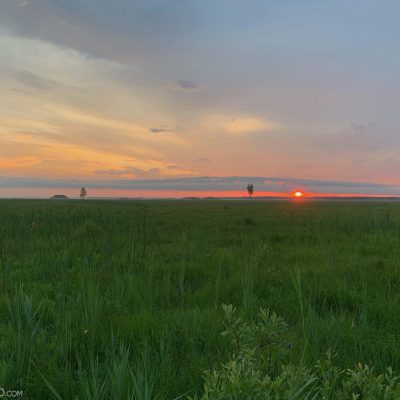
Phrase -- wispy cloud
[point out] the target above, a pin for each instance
(31, 80)
(202, 160)
(23, 3)
(131, 172)
(237, 125)
(159, 130)
(184, 86)
(248, 125)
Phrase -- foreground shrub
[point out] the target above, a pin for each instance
(258, 369)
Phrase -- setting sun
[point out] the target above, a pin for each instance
(298, 194)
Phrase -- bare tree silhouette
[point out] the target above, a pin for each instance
(83, 193)
(250, 189)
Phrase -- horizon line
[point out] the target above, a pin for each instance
(305, 197)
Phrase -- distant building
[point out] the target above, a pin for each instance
(59, 197)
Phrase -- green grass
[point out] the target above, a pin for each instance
(106, 299)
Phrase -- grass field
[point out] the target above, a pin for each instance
(94, 293)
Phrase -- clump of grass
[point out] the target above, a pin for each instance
(248, 221)
(26, 320)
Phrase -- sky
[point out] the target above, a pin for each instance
(170, 98)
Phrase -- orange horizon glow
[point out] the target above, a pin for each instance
(20, 192)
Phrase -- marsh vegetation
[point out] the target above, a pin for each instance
(102, 300)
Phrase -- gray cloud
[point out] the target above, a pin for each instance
(133, 172)
(173, 166)
(159, 130)
(32, 80)
(21, 91)
(202, 160)
(185, 86)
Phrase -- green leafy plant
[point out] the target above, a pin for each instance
(258, 369)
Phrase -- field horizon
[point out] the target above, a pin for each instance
(305, 197)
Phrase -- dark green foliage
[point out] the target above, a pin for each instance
(105, 299)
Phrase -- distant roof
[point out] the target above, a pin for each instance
(59, 196)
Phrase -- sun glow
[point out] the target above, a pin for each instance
(298, 194)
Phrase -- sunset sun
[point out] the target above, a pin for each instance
(298, 194)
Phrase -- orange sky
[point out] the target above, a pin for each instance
(106, 94)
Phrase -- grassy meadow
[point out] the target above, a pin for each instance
(102, 299)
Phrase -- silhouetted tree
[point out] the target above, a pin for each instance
(250, 189)
(83, 193)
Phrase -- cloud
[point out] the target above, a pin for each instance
(357, 138)
(236, 125)
(247, 125)
(23, 3)
(316, 185)
(131, 172)
(56, 107)
(159, 130)
(167, 171)
(20, 162)
(202, 160)
(32, 80)
(184, 86)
